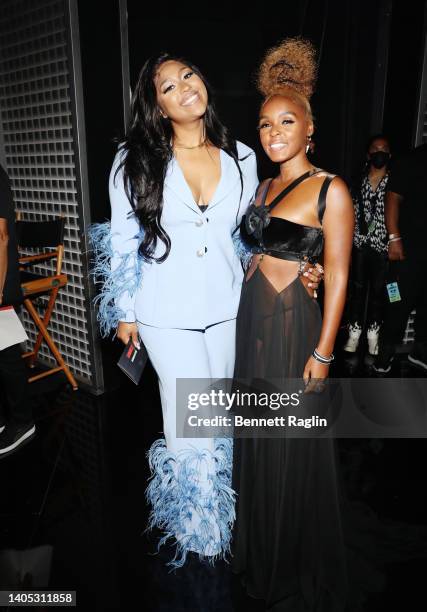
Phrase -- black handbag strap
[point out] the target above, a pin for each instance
(363, 226)
(287, 189)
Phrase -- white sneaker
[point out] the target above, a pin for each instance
(373, 334)
(354, 332)
(15, 435)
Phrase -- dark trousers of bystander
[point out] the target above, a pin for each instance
(15, 407)
(367, 282)
(413, 292)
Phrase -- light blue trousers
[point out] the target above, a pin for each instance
(190, 489)
(183, 353)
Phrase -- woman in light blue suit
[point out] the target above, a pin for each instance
(178, 189)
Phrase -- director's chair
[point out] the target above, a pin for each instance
(42, 235)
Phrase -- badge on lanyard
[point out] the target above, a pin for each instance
(393, 292)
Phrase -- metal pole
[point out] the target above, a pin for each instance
(421, 126)
(124, 44)
(380, 75)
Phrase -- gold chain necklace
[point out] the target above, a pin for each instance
(189, 148)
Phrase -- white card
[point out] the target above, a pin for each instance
(11, 329)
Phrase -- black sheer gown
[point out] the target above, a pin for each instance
(294, 545)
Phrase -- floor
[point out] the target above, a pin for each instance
(73, 514)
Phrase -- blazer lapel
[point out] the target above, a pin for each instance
(229, 178)
(175, 181)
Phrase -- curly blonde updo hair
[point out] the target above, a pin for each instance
(289, 69)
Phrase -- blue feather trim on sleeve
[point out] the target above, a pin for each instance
(242, 250)
(113, 284)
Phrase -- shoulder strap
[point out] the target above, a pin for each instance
(321, 203)
(289, 188)
(264, 195)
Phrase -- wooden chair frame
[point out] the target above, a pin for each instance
(48, 285)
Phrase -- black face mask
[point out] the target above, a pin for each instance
(379, 159)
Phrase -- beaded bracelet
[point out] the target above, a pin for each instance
(325, 360)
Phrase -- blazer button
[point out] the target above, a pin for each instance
(199, 223)
(200, 252)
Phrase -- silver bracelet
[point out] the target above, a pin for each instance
(325, 360)
(395, 239)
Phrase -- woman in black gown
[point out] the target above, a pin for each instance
(288, 538)
(298, 544)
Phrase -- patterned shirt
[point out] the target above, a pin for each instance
(372, 230)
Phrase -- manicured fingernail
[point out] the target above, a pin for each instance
(309, 285)
(305, 273)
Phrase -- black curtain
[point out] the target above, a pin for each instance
(229, 46)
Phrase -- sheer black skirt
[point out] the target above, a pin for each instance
(296, 542)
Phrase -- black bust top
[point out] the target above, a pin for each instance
(282, 238)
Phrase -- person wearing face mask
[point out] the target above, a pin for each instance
(369, 258)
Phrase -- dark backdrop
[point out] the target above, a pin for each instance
(228, 46)
(404, 74)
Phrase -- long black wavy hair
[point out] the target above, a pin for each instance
(147, 150)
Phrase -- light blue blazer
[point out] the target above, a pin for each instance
(200, 281)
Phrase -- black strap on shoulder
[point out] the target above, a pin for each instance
(264, 195)
(321, 203)
(256, 191)
(289, 188)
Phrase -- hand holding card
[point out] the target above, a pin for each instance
(133, 361)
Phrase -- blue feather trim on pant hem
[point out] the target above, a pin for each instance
(177, 498)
